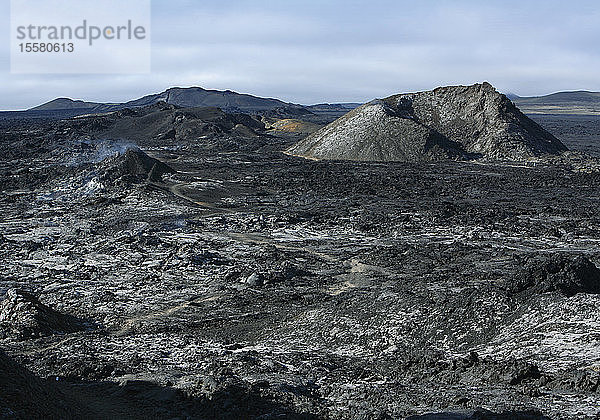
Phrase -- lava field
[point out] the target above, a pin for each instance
(217, 277)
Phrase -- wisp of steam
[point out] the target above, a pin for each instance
(94, 151)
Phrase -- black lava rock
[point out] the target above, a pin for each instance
(23, 316)
(566, 275)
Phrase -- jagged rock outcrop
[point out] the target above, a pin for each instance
(134, 166)
(566, 275)
(162, 121)
(448, 122)
(23, 316)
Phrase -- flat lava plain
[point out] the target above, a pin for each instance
(246, 283)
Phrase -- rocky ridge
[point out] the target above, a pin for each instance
(23, 316)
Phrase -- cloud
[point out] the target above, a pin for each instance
(316, 51)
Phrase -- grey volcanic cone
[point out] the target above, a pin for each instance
(448, 122)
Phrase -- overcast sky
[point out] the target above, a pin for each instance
(313, 51)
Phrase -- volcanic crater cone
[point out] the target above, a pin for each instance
(455, 122)
(135, 165)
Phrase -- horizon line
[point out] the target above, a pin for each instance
(507, 93)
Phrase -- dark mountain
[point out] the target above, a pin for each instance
(69, 104)
(198, 97)
(193, 97)
(577, 102)
(581, 96)
(448, 122)
(345, 107)
(329, 112)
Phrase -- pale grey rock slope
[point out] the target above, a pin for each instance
(448, 122)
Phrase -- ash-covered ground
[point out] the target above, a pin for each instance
(217, 277)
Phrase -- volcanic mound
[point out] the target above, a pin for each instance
(135, 166)
(449, 122)
(23, 316)
(163, 122)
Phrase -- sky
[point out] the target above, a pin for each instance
(314, 51)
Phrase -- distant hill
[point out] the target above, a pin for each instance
(68, 104)
(197, 97)
(192, 97)
(576, 103)
(334, 107)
